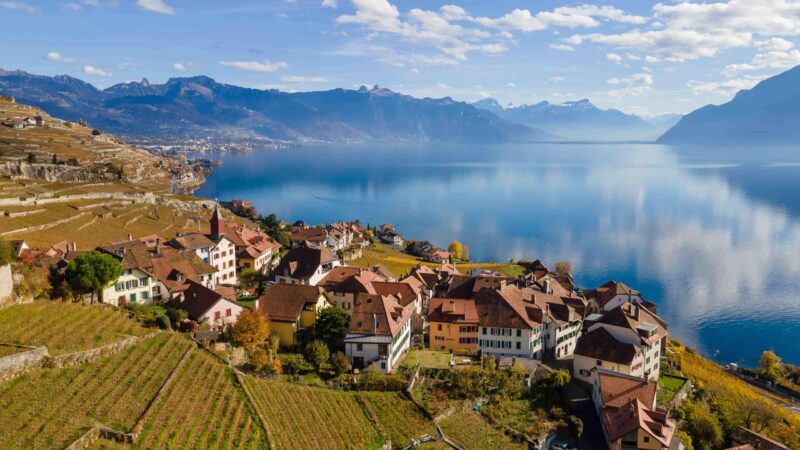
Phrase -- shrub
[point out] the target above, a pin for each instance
(176, 316)
(317, 354)
(340, 363)
(251, 329)
(295, 363)
(163, 322)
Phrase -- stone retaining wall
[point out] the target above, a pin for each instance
(28, 359)
(73, 359)
(6, 284)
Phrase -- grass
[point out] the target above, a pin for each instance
(6, 350)
(470, 430)
(49, 408)
(301, 417)
(401, 418)
(668, 386)
(203, 408)
(429, 359)
(65, 327)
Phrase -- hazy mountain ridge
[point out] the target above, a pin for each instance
(579, 120)
(767, 113)
(196, 105)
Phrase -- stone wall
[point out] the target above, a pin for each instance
(73, 359)
(29, 358)
(6, 284)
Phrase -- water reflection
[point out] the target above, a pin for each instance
(714, 240)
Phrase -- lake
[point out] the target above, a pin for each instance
(710, 235)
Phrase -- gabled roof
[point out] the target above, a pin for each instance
(507, 309)
(618, 422)
(638, 319)
(340, 274)
(611, 289)
(192, 241)
(284, 302)
(132, 254)
(452, 310)
(616, 389)
(198, 300)
(381, 270)
(175, 269)
(403, 291)
(600, 344)
(302, 262)
(377, 315)
(309, 234)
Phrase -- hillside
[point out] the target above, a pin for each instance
(191, 107)
(63, 181)
(766, 114)
(578, 120)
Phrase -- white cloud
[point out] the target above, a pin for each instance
(94, 71)
(632, 57)
(725, 88)
(635, 85)
(442, 86)
(256, 66)
(179, 66)
(54, 56)
(330, 4)
(511, 85)
(775, 53)
(613, 57)
(557, 79)
(570, 17)
(156, 6)
(304, 79)
(484, 94)
(20, 6)
(562, 47)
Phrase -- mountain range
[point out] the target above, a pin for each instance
(197, 106)
(769, 113)
(581, 120)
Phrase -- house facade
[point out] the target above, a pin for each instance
(133, 286)
(453, 325)
(379, 333)
(292, 311)
(305, 265)
(206, 306)
(598, 349)
(510, 324)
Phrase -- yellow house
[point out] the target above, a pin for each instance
(453, 324)
(292, 310)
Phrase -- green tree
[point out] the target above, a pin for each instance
(92, 271)
(6, 253)
(317, 354)
(563, 267)
(251, 329)
(572, 428)
(31, 158)
(251, 278)
(456, 249)
(331, 327)
(770, 365)
(272, 226)
(702, 426)
(340, 363)
(295, 363)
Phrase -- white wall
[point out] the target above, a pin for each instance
(228, 313)
(504, 342)
(223, 258)
(132, 282)
(6, 284)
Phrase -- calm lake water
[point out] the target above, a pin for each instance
(711, 235)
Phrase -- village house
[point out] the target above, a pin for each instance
(134, 285)
(379, 333)
(628, 414)
(213, 248)
(255, 249)
(437, 255)
(509, 325)
(388, 235)
(292, 311)
(206, 306)
(340, 235)
(384, 272)
(19, 247)
(305, 265)
(343, 292)
(453, 324)
(309, 237)
(599, 349)
(174, 270)
(634, 324)
(614, 294)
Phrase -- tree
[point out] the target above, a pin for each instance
(770, 366)
(571, 428)
(295, 363)
(6, 253)
(251, 329)
(55, 159)
(317, 354)
(92, 271)
(331, 327)
(31, 158)
(456, 249)
(702, 426)
(563, 267)
(259, 358)
(272, 226)
(251, 278)
(340, 363)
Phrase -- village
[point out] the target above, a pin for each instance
(608, 342)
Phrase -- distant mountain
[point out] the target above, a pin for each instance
(769, 113)
(577, 120)
(198, 106)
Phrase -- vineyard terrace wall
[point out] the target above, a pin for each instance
(29, 358)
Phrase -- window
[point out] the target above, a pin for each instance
(519, 333)
(119, 287)
(143, 281)
(228, 312)
(484, 330)
(439, 327)
(133, 297)
(217, 315)
(585, 372)
(439, 338)
(359, 347)
(518, 346)
(145, 295)
(646, 439)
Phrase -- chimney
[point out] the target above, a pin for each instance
(130, 237)
(158, 247)
(374, 323)
(74, 246)
(636, 312)
(547, 289)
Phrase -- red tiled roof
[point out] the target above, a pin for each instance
(507, 309)
(600, 344)
(284, 302)
(378, 314)
(616, 390)
(452, 310)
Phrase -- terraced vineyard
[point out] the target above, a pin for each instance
(65, 327)
(473, 433)
(203, 408)
(398, 416)
(50, 408)
(302, 417)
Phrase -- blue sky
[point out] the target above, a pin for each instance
(638, 56)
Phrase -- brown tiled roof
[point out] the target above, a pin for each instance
(616, 390)
(192, 241)
(342, 273)
(378, 314)
(284, 302)
(452, 310)
(381, 270)
(611, 289)
(461, 286)
(309, 234)
(403, 291)
(743, 435)
(600, 344)
(634, 415)
(174, 269)
(132, 254)
(354, 285)
(302, 262)
(198, 299)
(632, 316)
(507, 309)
